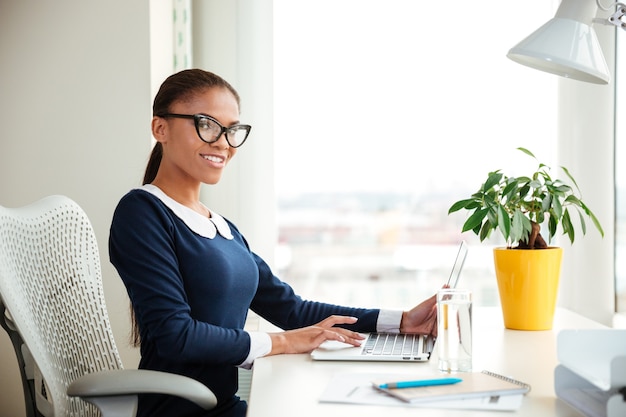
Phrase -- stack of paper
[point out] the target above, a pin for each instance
(591, 375)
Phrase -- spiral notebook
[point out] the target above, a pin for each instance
(357, 388)
(473, 384)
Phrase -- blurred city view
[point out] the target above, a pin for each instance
(401, 246)
(390, 249)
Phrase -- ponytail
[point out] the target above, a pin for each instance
(153, 163)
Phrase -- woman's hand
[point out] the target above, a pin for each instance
(421, 319)
(306, 339)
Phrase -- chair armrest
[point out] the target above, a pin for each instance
(124, 382)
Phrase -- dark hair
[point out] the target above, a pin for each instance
(180, 87)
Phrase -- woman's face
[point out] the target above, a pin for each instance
(186, 158)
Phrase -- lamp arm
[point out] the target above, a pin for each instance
(616, 18)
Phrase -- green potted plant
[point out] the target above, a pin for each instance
(527, 269)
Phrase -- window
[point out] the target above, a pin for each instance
(386, 112)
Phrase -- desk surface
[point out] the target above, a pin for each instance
(287, 384)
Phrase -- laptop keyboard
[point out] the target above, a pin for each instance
(405, 345)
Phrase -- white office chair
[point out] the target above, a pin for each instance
(52, 305)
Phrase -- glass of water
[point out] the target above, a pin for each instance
(454, 329)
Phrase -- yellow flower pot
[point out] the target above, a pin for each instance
(528, 283)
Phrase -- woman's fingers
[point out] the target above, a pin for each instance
(338, 333)
(308, 338)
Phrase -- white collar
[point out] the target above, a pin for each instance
(202, 225)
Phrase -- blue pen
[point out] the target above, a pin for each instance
(420, 383)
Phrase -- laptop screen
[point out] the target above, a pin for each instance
(458, 265)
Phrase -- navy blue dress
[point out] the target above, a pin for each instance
(191, 296)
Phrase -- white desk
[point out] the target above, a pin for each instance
(287, 385)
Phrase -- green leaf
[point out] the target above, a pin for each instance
(596, 223)
(568, 228)
(517, 226)
(552, 225)
(527, 227)
(558, 209)
(473, 205)
(570, 177)
(510, 189)
(493, 179)
(475, 219)
(460, 205)
(572, 199)
(546, 203)
(527, 152)
(540, 217)
(594, 219)
(485, 231)
(523, 191)
(489, 198)
(504, 223)
(563, 189)
(492, 215)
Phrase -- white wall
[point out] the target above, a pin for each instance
(76, 87)
(586, 147)
(75, 116)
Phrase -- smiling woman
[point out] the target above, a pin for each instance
(168, 108)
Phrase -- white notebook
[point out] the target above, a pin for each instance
(356, 388)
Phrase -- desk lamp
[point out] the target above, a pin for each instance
(567, 45)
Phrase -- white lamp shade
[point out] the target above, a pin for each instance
(566, 47)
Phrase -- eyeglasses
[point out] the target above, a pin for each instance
(210, 130)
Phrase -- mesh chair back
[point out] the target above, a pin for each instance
(51, 284)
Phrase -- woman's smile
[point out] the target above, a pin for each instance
(217, 161)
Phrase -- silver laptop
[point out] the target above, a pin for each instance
(390, 346)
